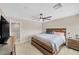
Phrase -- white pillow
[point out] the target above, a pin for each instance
(59, 33)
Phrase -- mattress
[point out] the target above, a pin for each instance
(51, 40)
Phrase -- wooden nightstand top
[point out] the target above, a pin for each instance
(73, 39)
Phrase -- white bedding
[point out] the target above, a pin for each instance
(52, 40)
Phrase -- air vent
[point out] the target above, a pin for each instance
(57, 6)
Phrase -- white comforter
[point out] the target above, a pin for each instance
(55, 40)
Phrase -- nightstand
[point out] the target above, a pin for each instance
(73, 43)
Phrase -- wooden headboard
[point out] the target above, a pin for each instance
(56, 30)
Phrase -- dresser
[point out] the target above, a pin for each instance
(73, 43)
(9, 48)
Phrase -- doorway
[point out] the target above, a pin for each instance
(15, 31)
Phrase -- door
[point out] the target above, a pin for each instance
(15, 30)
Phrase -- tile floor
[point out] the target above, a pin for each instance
(28, 49)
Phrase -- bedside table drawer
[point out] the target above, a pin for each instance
(73, 44)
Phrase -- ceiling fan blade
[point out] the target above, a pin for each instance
(46, 17)
(35, 17)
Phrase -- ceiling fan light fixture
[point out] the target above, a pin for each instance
(41, 19)
(41, 15)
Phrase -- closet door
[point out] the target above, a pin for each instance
(15, 30)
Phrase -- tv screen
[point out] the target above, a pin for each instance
(4, 30)
(0, 29)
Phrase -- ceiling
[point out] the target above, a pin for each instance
(31, 10)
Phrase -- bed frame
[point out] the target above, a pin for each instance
(45, 49)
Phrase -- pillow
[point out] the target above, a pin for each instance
(48, 32)
(59, 33)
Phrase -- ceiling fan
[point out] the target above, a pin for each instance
(42, 18)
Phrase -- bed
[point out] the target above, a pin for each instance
(48, 44)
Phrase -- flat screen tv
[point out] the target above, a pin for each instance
(4, 30)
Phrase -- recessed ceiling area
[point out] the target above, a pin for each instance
(31, 10)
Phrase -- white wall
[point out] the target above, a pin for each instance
(28, 27)
(2, 13)
(70, 23)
